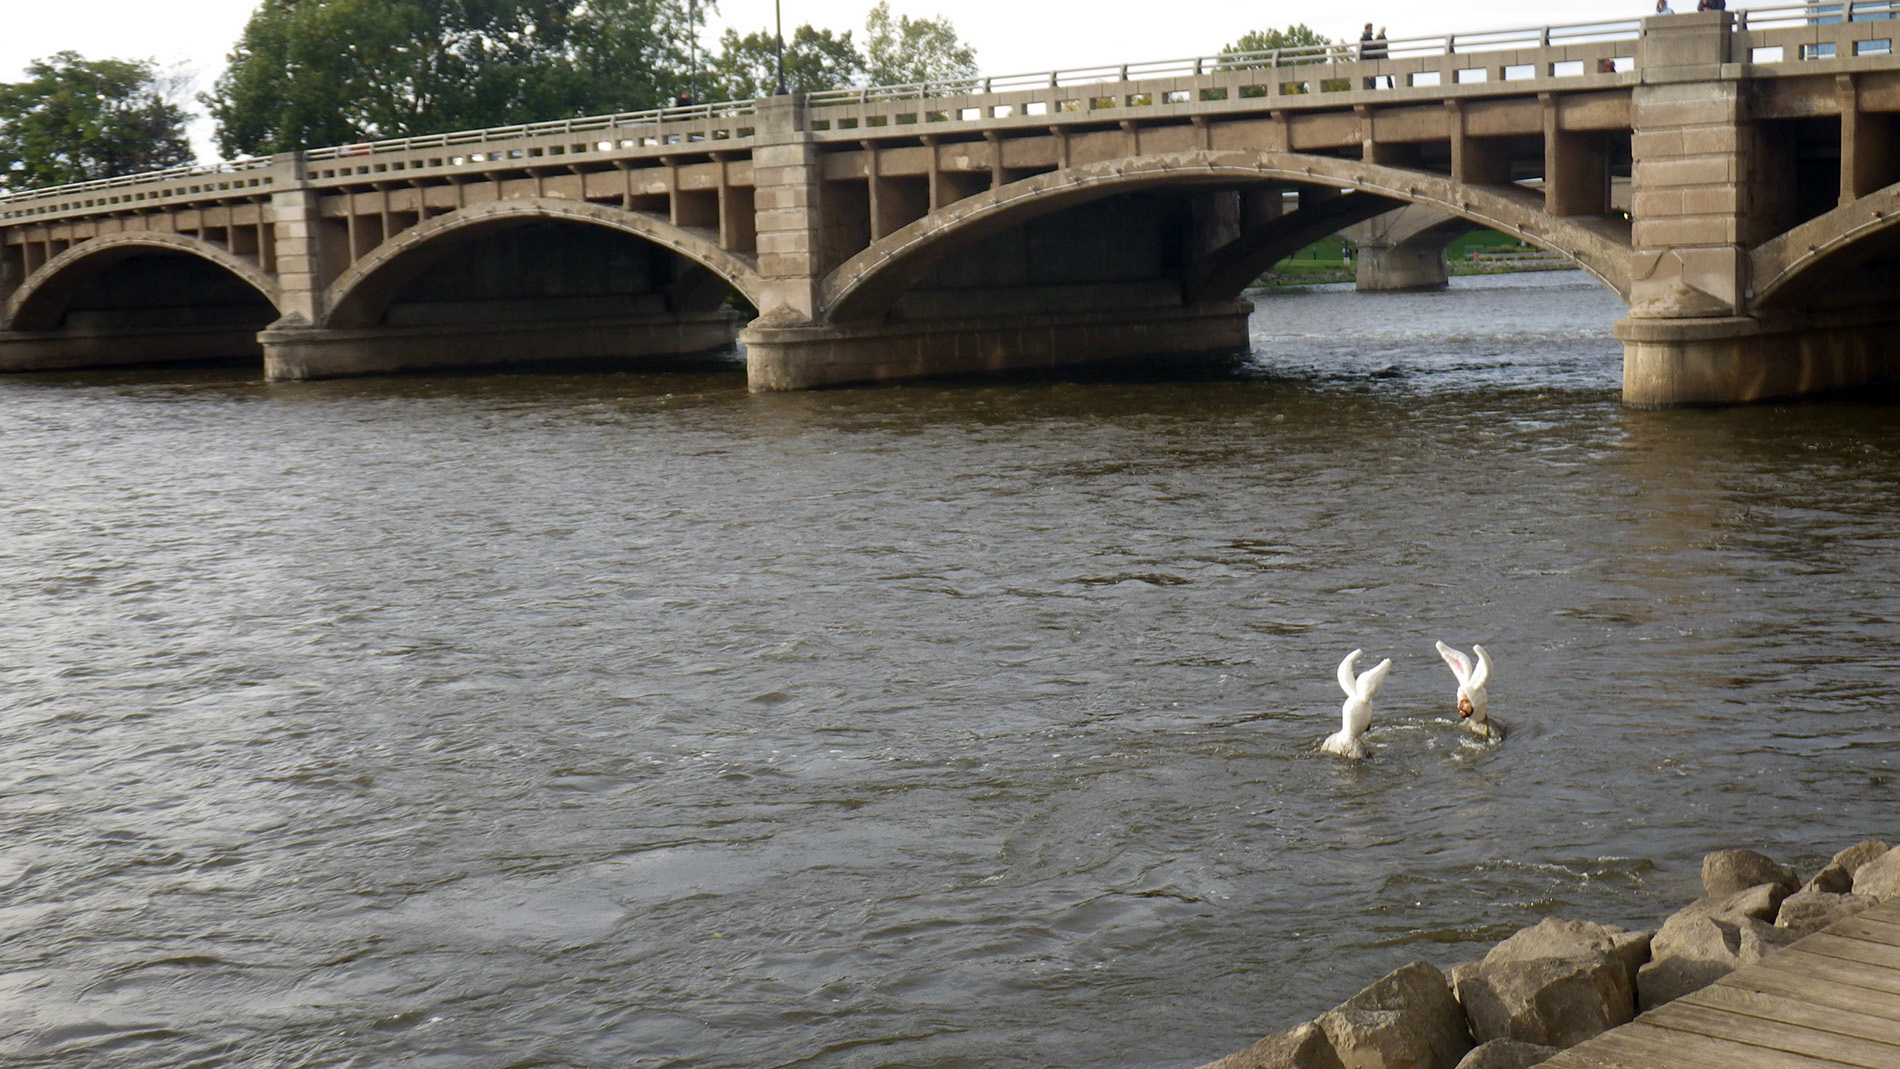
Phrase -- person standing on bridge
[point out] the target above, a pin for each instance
(1663, 8)
(1366, 48)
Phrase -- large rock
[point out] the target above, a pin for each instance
(1879, 879)
(1811, 911)
(1837, 876)
(1761, 903)
(1728, 871)
(1301, 1047)
(1555, 984)
(1507, 1054)
(1696, 947)
(1408, 1020)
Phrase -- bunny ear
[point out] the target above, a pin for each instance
(1483, 674)
(1345, 672)
(1370, 682)
(1460, 664)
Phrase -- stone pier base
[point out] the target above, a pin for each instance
(1398, 268)
(1740, 359)
(61, 350)
(304, 353)
(798, 358)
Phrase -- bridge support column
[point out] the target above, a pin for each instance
(804, 357)
(787, 191)
(1688, 338)
(1398, 268)
(301, 269)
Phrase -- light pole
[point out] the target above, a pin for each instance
(692, 30)
(778, 46)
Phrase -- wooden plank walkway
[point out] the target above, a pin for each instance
(1829, 1001)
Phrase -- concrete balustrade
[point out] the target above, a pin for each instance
(1732, 176)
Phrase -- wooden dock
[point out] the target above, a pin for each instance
(1829, 1001)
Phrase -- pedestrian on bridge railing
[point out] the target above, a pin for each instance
(1663, 8)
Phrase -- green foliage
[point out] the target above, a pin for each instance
(1300, 36)
(747, 67)
(334, 72)
(897, 51)
(327, 72)
(76, 119)
(913, 50)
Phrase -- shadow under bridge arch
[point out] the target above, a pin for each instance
(136, 274)
(564, 257)
(868, 285)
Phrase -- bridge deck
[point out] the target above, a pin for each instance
(1829, 1001)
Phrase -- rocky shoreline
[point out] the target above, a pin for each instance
(1559, 982)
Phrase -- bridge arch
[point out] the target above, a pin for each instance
(363, 291)
(42, 299)
(1788, 267)
(865, 286)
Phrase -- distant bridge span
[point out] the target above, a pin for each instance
(1023, 222)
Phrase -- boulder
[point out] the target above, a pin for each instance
(1300, 1047)
(1695, 948)
(1728, 871)
(1761, 903)
(1555, 984)
(1811, 911)
(1879, 879)
(1837, 876)
(1507, 1054)
(1407, 1020)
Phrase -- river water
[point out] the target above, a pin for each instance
(633, 720)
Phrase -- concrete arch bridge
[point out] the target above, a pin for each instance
(1024, 222)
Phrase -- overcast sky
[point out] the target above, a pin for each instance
(1010, 36)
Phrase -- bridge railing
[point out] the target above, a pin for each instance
(1816, 13)
(1194, 66)
(175, 174)
(587, 124)
(1819, 30)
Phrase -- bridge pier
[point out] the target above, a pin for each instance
(1741, 359)
(1711, 181)
(805, 357)
(1399, 268)
(297, 352)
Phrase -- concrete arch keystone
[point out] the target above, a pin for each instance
(41, 299)
(864, 286)
(360, 292)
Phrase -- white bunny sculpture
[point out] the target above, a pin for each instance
(1471, 696)
(1356, 714)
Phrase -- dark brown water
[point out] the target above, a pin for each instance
(631, 720)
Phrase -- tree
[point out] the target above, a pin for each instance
(747, 67)
(1300, 36)
(328, 72)
(913, 50)
(76, 119)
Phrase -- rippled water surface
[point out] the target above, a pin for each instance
(627, 720)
